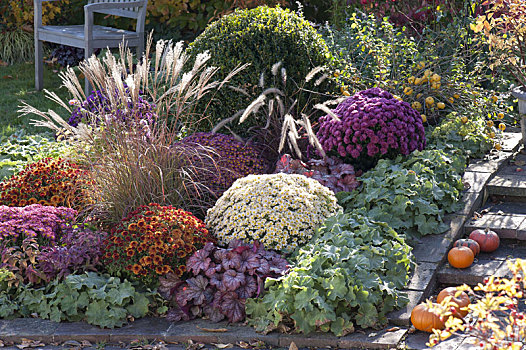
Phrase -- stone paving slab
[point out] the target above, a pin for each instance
(402, 317)
(418, 340)
(475, 180)
(491, 165)
(505, 208)
(505, 226)
(511, 141)
(472, 275)
(507, 185)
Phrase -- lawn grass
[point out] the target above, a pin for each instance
(17, 83)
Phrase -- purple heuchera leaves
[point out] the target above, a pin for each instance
(80, 250)
(45, 223)
(331, 172)
(222, 281)
(373, 125)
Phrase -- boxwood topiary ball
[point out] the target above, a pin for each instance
(262, 37)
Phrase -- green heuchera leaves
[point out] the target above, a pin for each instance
(453, 135)
(410, 193)
(97, 299)
(349, 275)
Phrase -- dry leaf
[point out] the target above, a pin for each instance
(8, 77)
(213, 330)
(243, 345)
(86, 344)
(372, 334)
(520, 163)
(81, 76)
(293, 346)
(223, 346)
(28, 343)
(1, 344)
(393, 329)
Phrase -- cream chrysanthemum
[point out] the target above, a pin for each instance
(279, 210)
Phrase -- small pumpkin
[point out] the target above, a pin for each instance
(471, 244)
(460, 257)
(424, 319)
(462, 300)
(488, 240)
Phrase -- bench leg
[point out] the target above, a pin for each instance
(39, 65)
(87, 53)
(140, 51)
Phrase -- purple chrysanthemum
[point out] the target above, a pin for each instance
(373, 125)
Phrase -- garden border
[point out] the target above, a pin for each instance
(430, 254)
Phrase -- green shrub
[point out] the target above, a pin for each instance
(351, 274)
(261, 37)
(411, 194)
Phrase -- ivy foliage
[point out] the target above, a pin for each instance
(261, 37)
(410, 193)
(349, 275)
(99, 300)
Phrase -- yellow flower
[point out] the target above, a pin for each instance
(408, 91)
(451, 100)
(491, 135)
(418, 95)
(502, 126)
(500, 115)
(346, 93)
(418, 81)
(494, 99)
(457, 96)
(498, 146)
(411, 80)
(441, 105)
(424, 118)
(435, 78)
(490, 123)
(464, 119)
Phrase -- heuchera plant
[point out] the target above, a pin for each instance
(49, 181)
(80, 250)
(44, 223)
(230, 159)
(222, 280)
(331, 172)
(371, 125)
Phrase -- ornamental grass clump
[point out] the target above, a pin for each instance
(279, 210)
(49, 182)
(153, 241)
(371, 125)
(44, 223)
(231, 159)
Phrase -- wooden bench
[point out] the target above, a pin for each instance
(90, 36)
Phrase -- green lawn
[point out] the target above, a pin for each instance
(17, 83)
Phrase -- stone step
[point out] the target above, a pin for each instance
(485, 265)
(509, 223)
(510, 181)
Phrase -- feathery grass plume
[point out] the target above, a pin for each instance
(132, 157)
(284, 126)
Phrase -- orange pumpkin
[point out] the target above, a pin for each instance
(462, 300)
(460, 257)
(471, 244)
(424, 319)
(488, 240)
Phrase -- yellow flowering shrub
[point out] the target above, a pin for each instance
(497, 319)
(16, 13)
(279, 210)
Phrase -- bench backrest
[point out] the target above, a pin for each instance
(132, 12)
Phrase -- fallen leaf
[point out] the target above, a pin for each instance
(258, 344)
(520, 163)
(81, 76)
(393, 329)
(71, 343)
(223, 346)
(293, 346)
(86, 344)
(1, 344)
(213, 330)
(28, 343)
(7, 77)
(372, 334)
(243, 345)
